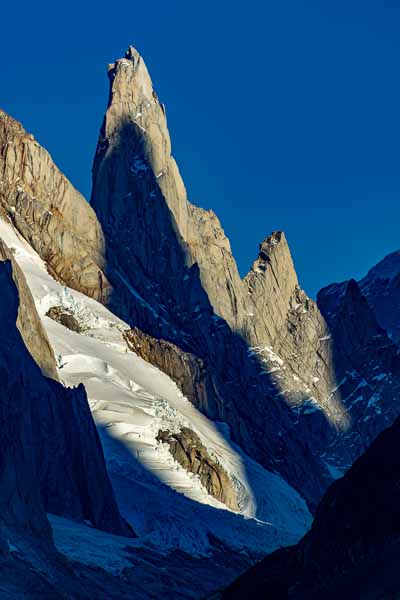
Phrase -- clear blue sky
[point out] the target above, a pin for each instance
(283, 114)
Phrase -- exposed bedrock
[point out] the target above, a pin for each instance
(188, 450)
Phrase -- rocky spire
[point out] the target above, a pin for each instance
(183, 284)
(135, 127)
(136, 180)
(271, 282)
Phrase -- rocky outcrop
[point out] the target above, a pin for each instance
(49, 212)
(188, 371)
(64, 317)
(352, 548)
(51, 457)
(188, 450)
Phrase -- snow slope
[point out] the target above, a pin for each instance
(131, 401)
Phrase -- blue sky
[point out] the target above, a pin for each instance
(283, 115)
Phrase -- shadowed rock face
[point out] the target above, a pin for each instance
(28, 322)
(367, 365)
(353, 546)
(51, 457)
(381, 287)
(187, 449)
(49, 212)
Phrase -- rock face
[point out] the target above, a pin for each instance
(51, 457)
(352, 548)
(20, 496)
(186, 370)
(381, 287)
(187, 449)
(289, 334)
(367, 365)
(49, 213)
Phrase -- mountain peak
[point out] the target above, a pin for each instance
(132, 53)
(381, 287)
(130, 82)
(268, 245)
(387, 268)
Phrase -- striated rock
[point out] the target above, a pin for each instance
(289, 334)
(188, 371)
(188, 450)
(49, 212)
(352, 548)
(51, 457)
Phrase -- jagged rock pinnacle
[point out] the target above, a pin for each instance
(132, 53)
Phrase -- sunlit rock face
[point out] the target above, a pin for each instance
(49, 212)
(188, 450)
